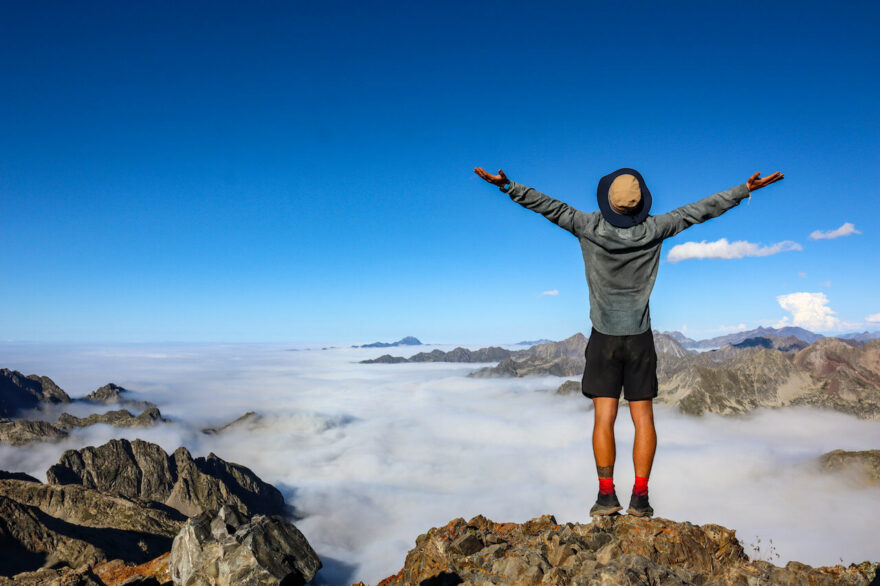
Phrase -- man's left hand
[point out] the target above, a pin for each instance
(755, 182)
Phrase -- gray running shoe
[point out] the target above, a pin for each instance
(606, 504)
(639, 506)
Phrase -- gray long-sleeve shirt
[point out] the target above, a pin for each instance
(621, 263)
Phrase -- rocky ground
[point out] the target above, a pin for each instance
(614, 550)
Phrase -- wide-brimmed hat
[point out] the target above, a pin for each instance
(623, 197)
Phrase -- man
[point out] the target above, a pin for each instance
(621, 249)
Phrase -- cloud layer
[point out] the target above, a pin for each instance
(372, 455)
(724, 249)
(845, 230)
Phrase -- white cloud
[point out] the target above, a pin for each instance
(551, 292)
(724, 249)
(873, 318)
(845, 230)
(736, 328)
(808, 310)
(802, 274)
(825, 283)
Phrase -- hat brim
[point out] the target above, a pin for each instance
(623, 220)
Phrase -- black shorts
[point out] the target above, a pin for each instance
(620, 361)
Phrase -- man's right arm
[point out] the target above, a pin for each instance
(560, 213)
(672, 223)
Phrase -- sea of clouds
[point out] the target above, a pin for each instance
(372, 455)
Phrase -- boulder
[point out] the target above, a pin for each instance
(222, 548)
(143, 470)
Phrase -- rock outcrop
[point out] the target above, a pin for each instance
(219, 548)
(118, 418)
(140, 469)
(863, 466)
(249, 420)
(113, 394)
(19, 392)
(23, 431)
(614, 550)
(43, 524)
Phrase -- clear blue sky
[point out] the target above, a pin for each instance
(303, 171)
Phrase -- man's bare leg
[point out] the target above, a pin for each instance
(645, 444)
(604, 451)
(605, 412)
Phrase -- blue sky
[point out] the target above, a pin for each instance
(303, 171)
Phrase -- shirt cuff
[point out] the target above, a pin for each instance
(506, 188)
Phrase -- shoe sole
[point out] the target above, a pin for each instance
(638, 513)
(603, 511)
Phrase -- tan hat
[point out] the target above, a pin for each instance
(625, 195)
(630, 196)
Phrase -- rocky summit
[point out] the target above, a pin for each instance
(140, 469)
(613, 550)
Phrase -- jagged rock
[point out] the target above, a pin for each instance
(220, 548)
(614, 550)
(155, 572)
(22, 431)
(119, 418)
(249, 420)
(64, 576)
(143, 470)
(19, 392)
(863, 465)
(113, 394)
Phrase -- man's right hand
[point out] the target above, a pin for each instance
(499, 180)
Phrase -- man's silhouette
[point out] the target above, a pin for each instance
(621, 249)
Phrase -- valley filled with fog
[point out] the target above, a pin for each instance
(372, 455)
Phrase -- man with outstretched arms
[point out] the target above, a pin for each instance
(621, 249)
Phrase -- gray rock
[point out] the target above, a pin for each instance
(19, 392)
(221, 548)
(143, 470)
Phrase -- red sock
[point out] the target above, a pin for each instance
(641, 486)
(606, 485)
